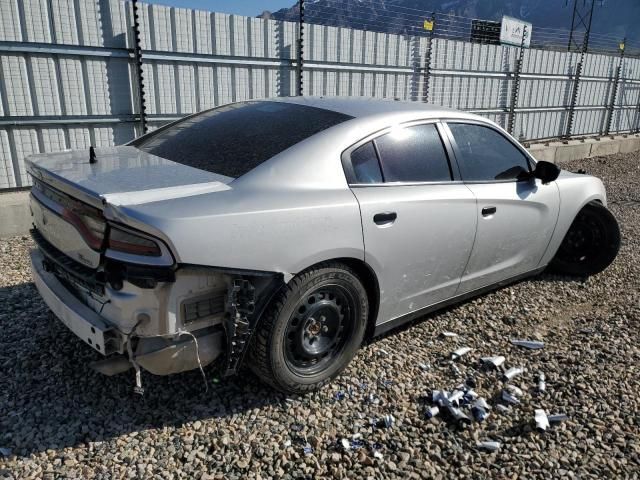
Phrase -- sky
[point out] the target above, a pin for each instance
(249, 8)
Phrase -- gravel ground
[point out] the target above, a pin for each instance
(61, 420)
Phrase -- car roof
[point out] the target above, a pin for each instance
(365, 106)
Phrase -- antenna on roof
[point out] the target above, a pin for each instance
(92, 155)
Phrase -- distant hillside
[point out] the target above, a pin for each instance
(619, 18)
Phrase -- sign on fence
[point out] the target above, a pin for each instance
(512, 31)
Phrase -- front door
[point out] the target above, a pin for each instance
(516, 213)
(418, 222)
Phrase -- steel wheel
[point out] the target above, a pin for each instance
(318, 329)
(590, 245)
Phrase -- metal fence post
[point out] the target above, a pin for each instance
(137, 53)
(516, 85)
(614, 93)
(574, 96)
(300, 46)
(429, 25)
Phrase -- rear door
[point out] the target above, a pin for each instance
(418, 218)
(516, 213)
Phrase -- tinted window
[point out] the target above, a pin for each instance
(233, 139)
(484, 154)
(413, 154)
(365, 164)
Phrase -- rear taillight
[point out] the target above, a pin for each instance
(126, 241)
(90, 226)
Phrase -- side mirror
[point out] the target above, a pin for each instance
(546, 171)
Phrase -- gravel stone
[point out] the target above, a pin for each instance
(59, 419)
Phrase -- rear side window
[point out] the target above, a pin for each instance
(234, 139)
(366, 167)
(413, 154)
(485, 155)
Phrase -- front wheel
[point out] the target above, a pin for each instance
(591, 244)
(311, 330)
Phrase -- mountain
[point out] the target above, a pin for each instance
(614, 18)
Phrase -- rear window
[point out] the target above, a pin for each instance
(234, 139)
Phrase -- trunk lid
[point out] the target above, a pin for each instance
(72, 197)
(122, 175)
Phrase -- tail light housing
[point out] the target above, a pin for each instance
(125, 241)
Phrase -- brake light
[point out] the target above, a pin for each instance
(89, 226)
(127, 242)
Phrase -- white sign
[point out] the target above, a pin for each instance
(512, 31)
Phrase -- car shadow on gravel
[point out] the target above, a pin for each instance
(51, 399)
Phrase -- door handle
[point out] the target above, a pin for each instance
(486, 211)
(385, 218)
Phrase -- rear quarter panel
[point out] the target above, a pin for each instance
(576, 191)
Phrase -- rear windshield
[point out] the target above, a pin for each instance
(234, 139)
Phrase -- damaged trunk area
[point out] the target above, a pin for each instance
(121, 291)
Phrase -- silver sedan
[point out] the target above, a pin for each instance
(282, 232)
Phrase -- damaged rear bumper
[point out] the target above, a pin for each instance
(160, 347)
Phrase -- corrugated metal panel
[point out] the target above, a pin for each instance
(81, 90)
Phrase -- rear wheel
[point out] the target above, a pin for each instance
(312, 330)
(591, 244)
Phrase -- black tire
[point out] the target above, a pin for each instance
(294, 351)
(591, 244)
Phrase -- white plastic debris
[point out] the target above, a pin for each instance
(542, 386)
(377, 454)
(507, 397)
(449, 334)
(458, 415)
(346, 444)
(480, 410)
(455, 397)
(489, 446)
(542, 422)
(388, 421)
(557, 417)
(287, 443)
(432, 412)
(460, 352)
(530, 344)
(493, 361)
(439, 396)
(515, 391)
(513, 372)
(503, 408)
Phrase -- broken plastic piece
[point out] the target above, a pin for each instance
(455, 397)
(482, 403)
(460, 352)
(502, 408)
(449, 334)
(383, 351)
(480, 414)
(432, 412)
(339, 396)
(287, 443)
(542, 386)
(469, 396)
(515, 390)
(346, 444)
(377, 454)
(424, 366)
(507, 397)
(542, 422)
(557, 417)
(513, 372)
(489, 445)
(458, 415)
(493, 361)
(530, 344)
(308, 449)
